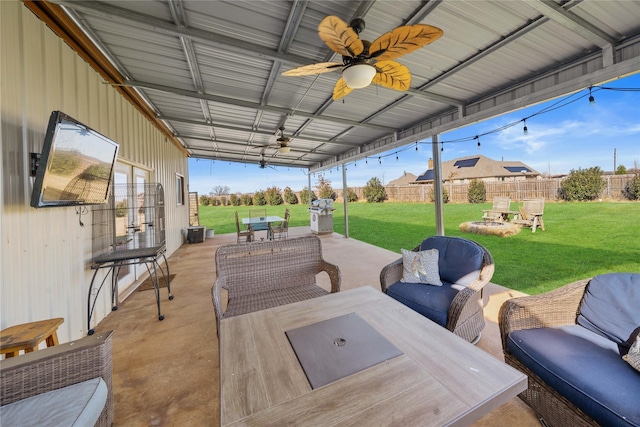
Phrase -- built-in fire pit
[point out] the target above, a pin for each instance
(494, 228)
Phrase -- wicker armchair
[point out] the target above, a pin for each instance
(465, 316)
(265, 274)
(553, 309)
(59, 366)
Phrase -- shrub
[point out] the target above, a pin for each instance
(304, 196)
(259, 198)
(121, 209)
(246, 199)
(477, 192)
(621, 170)
(351, 195)
(582, 184)
(374, 191)
(290, 197)
(234, 200)
(445, 195)
(632, 189)
(204, 200)
(273, 196)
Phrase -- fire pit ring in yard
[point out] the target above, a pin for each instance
(493, 228)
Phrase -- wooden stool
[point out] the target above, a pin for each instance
(28, 336)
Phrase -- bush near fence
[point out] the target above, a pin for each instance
(515, 190)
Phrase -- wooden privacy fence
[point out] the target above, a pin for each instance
(515, 190)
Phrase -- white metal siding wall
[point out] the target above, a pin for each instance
(45, 253)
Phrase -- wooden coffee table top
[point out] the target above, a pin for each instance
(439, 380)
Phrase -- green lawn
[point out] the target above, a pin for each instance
(581, 239)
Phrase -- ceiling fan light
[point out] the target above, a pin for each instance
(359, 75)
(284, 149)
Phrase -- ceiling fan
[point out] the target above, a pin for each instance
(282, 143)
(364, 62)
(263, 163)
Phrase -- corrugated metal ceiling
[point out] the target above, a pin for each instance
(211, 70)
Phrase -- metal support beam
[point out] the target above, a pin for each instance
(437, 185)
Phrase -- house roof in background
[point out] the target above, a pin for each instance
(405, 179)
(478, 166)
(209, 73)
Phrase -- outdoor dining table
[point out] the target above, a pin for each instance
(263, 220)
(433, 378)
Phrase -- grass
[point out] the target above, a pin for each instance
(581, 239)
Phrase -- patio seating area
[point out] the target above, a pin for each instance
(166, 373)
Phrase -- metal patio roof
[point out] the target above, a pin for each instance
(209, 72)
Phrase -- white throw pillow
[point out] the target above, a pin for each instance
(421, 267)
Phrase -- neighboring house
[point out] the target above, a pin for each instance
(464, 169)
(406, 178)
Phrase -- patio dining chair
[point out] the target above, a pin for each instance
(258, 214)
(281, 230)
(246, 233)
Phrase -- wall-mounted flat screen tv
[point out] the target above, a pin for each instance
(76, 165)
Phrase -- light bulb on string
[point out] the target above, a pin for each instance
(525, 130)
(379, 161)
(441, 147)
(416, 145)
(478, 138)
(366, 160)
(592, 100)
(396, 156)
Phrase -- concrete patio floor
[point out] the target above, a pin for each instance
(166, 372)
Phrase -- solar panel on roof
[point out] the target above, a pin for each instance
(467, 163)
(427, 176)
(516, 169)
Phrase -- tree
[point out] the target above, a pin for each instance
(246, 199)
(205, 200)
(259, 198)
(477, 192)
(273, 196)
(290, 197)
(234, 200)
(324, 188)
(304, 196)
(621, 170)
(220, 190)
(374, 191)
(582, 184)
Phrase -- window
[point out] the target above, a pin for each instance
(179, 190)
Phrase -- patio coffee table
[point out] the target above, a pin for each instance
(439, 379)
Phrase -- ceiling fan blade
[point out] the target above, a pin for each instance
(340, 37)
(341, 89)
(319, 68)
(403, 40)
(392, 75)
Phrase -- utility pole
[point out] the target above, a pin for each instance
(614, 160)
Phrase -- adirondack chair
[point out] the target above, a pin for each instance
(500, 210)
(531, 214)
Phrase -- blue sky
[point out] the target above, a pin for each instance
(564, 134)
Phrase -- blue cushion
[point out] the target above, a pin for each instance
(584, 367)
(611, 307)
(460, 260)
(431, 301)
(259, 226)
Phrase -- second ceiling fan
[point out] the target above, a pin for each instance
(365, 62)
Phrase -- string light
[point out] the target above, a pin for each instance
(416, 145)
(592, 100)
(441, 147)
(379, 161)
(478, 138)
(396, 156)
(524, 129)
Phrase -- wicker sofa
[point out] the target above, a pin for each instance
(570, 343)
(464, 267)
(265, 274)
(67, 384)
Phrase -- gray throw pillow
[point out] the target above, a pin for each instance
(421, 267)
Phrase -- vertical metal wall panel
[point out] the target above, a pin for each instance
(45, 253)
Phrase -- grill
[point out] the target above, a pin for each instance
(321, 216)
